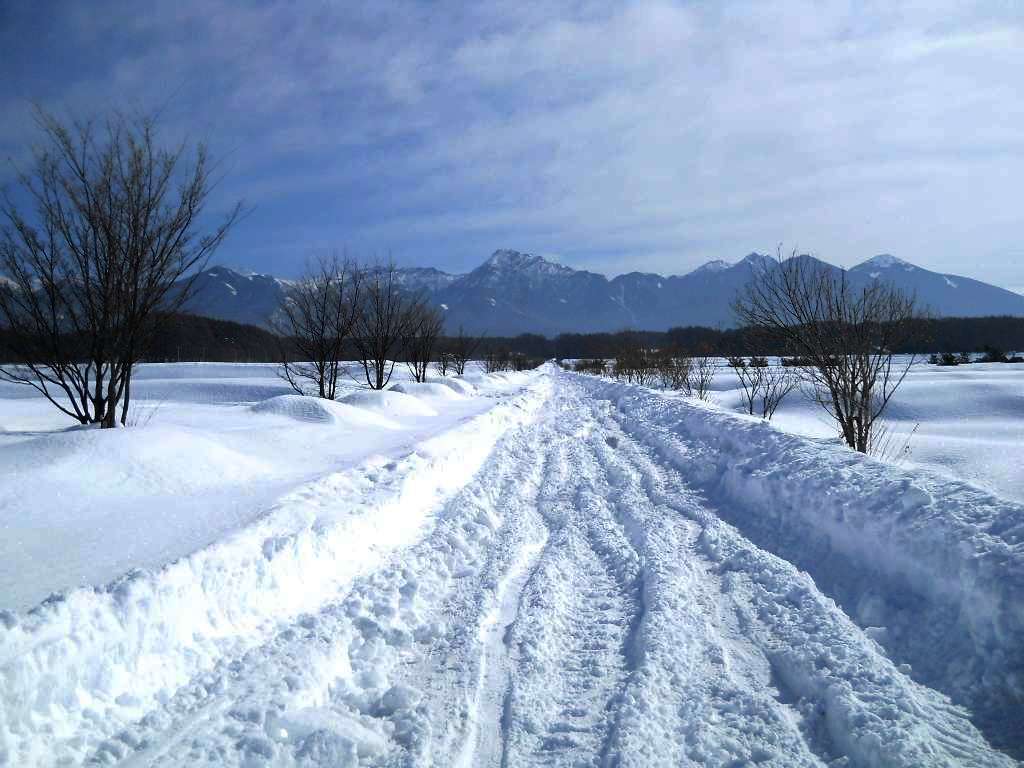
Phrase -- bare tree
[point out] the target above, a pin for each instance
(462, 347)
(763, 385)
(383, 322)
(109, 246)
(673, 370)
(703, 367)
(315, 320)
(751, 379)
(844, 337)
(423, 330)
(498, 360)
(444, 362)
(635, 362)
(776, 384)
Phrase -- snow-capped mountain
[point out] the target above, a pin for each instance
(949, 295)
(514, 292)
(225, 294)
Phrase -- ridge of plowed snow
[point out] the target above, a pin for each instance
(119, 650)
(933, 569)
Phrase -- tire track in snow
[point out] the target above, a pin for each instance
(810, 687)
(576, 603)
(328, 688)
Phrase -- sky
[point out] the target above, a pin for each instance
(649, 136)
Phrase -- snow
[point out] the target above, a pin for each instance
(960, 422)
(392, 402)
(320, 411)
(716, 265)
(887, 261)
(949, 282)
(494, 570)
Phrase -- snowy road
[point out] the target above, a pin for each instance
(577, 600)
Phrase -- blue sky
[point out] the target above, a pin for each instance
(646, 136)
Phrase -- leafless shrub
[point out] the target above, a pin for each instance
(843, 337)
(423, 329)
(498, 360)
(444, 362)
(634, 362)
(750, 379)
(102, 256)
(776, 385)
(523, 362)
(314, 321)
(462, 347)
(763, 385)
(384, 320)
(673, 370)
(596, 366)
(703, 367)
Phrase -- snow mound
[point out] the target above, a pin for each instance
(461, 386)
(389, 402)
(317, 410)
(427, 390)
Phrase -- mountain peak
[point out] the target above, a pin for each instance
(886, 261)
(756, 260)
(715, 265)
(508, 260)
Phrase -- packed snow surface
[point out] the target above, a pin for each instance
(517, 570)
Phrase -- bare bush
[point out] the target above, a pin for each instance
(444, 362)
(673, 370)
(843, 337)
(750, 379)
(703, 367)
(497, 360)
(108, 247)
(634, 362)
(423, 330)
(596, 366)
(316, 318)
(778, 382)
(384, 320)
(462, 347)
(763, 385)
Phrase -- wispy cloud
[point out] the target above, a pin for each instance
(649, 135)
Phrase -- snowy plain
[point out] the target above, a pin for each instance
(515, 569)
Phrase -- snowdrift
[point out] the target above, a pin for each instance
(320, 411)
(933, 568)
(427, 390)
(389, 402)
(106, 656)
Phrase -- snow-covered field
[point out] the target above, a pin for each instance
(519, 569)
(964, 422)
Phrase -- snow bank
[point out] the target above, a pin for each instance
(321, 411)
(934, 567)
(106, 656)
(389, 402)
(461, 386)
(427, 390)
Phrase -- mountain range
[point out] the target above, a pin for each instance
(514, 292)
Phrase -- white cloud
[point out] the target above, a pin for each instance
(649, 135)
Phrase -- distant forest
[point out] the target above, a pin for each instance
(202, 339)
